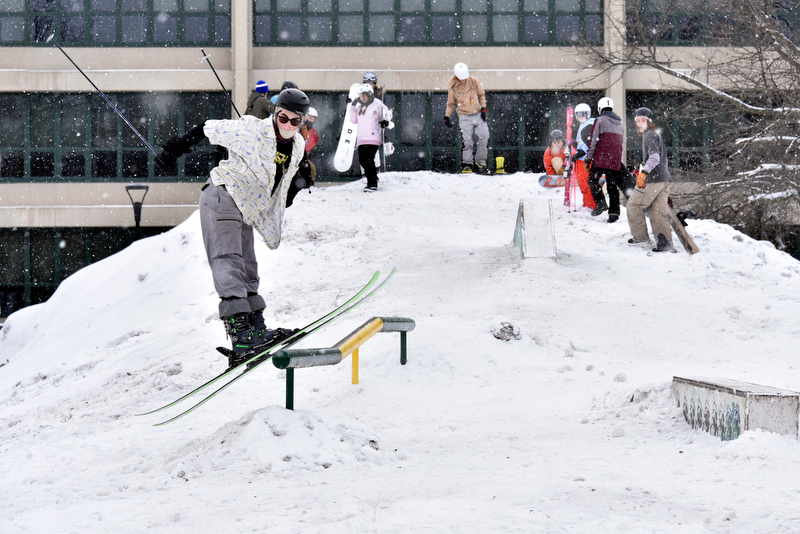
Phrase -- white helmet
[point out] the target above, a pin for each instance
(604, 103)
(461, 71)
(583, 109)
(366, 88)
(312, 112)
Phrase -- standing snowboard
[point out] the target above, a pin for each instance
(343, 159)
(680, 231)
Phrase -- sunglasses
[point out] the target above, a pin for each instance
(283, 119)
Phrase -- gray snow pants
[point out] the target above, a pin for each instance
(473, 130)
(652, 198)
(231, 253)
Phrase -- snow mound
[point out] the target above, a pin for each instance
(274, 439)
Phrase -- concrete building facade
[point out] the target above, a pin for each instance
(67, 156)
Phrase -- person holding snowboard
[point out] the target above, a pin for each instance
(652, 187)
(554, 156)
(258, 105)
(264, 170)
(367, 113)
(583, 113)
(604, 157)
(466, 96)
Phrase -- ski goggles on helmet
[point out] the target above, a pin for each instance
(283, 119)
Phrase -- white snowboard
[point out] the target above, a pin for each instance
(343, 159)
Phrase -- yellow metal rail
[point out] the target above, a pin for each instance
(295, 358)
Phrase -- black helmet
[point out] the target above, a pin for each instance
(293, 100)
(289, 85)
(370, 77)
(645, 112)
(556, 135)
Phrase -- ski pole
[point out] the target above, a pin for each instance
(206, 56)
(148, 145)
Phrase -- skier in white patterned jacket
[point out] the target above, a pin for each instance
(265, 169)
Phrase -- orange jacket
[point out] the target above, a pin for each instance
(548, 160)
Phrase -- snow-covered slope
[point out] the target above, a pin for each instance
(571, 428)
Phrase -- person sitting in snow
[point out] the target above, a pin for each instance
(555, 155)
(265, 169)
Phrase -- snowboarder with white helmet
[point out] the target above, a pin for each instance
(652, 187)
(466, 96)
(604, 157)
(583, 113)
(263, 173)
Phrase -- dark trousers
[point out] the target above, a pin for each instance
(366, 158)
(615, 180)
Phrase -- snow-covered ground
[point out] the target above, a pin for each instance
(571, 428)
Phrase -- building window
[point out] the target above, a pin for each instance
(116, 22)
(70, 137)
(427, 22)
(520, 125)
(708, 22)
(34, 261)
(687, 138)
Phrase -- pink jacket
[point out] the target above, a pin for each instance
(369, 127)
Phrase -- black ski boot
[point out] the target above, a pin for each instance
(600, 208)
(662, 245)
(242, 335)
(482, 169)
(264, 335)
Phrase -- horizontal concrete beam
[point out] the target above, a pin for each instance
(93, 204)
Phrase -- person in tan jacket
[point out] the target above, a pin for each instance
(465, 95)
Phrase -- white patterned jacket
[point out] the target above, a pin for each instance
(249, 172)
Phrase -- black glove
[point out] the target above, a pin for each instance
(483, 114)
(167, 161)
(447, 122)
(587, 162)
(384, 123)
(304, 170)
(580, 153)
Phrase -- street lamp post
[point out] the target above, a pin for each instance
(137, 204)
